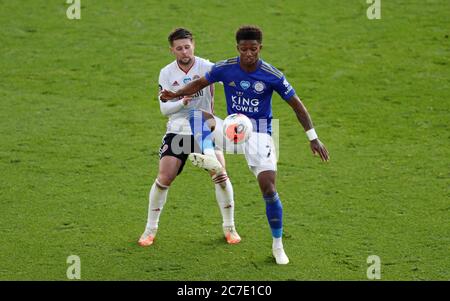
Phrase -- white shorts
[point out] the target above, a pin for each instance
(259, 150)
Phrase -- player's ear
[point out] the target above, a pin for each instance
(260, 47)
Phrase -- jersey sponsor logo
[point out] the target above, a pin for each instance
(198, 94)
(175, 83)
(187, 80)
(242, 104)
(232, 84)
(259, 87)
(245, 84)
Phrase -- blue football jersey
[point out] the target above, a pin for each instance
(251, 93)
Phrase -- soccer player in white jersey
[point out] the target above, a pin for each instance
(249, 83)
(178, 141)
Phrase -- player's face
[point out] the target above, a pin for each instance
(249, 51)
(183, 50)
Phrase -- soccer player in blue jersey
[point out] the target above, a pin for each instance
(249, 83)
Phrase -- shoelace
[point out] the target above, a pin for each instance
(232, 230)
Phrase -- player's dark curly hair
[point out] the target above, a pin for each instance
(178, 34)
(249, 32)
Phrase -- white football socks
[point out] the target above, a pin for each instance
(157, 199)
(277, 243)
(225, 200)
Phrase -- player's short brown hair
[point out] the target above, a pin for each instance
(249, 32)
(178, 34)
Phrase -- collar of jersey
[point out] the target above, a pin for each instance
(179, 68)
(257, 67)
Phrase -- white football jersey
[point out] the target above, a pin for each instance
(173, 78)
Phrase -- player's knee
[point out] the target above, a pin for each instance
(268, 188)
(266, 180)
(207, 115)
(164, 180)
(209, 120)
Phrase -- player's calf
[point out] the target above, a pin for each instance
(225, 200)
(157, 199)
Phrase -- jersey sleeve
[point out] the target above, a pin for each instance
(209, 65)
(163, 83)
(214, 75)
(284, 88)
(167, 107)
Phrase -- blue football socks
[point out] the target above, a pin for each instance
(274, 212)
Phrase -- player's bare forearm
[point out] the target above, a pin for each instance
(301, 112)
(189, 89)
(193, 87)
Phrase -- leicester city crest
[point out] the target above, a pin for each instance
(259, 87)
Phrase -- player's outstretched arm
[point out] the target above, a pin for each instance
(303, 117)
(189, 89)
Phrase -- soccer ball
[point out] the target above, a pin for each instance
(237, 128)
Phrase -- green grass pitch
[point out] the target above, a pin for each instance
(80, 129)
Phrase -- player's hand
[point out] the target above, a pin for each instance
(166, 95)
(318, 148)
(186, 100)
